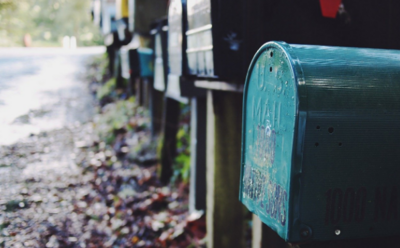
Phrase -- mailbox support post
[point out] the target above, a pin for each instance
(225, 215)
(197, 197)
(146, 92)
(139, 91)
(170, 128)
(156, 107)
(265, 237)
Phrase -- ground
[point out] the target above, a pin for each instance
(63, 186)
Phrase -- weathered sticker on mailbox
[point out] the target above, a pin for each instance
(268, 130)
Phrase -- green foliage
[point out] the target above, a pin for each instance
(98, 67)
(7, 4)
(107, 89)
(47, 22)
(115, 116)
(182, 160)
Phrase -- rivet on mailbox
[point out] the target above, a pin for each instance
(320, 146)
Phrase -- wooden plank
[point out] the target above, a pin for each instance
(156, 113)
(219, 85)
(169, 130)
(197, 197)
(226, 225)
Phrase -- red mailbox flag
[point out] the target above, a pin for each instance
(329, 8)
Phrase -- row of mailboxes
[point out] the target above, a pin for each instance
(222, 36)
(320, 141)
(217, 39)
(126, 17)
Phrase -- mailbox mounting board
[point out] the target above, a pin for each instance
(320, 151)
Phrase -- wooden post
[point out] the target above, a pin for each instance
(156, 107)
(226, 225)
(111, 59)
(170, 129)
(265, 237)
(139, 91)
(197, 197)
(146, 92)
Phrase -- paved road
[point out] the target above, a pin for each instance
(42, 89)
(42, 92)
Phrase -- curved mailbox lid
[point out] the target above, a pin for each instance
(320, 149)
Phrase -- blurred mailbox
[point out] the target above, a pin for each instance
(160, 36)
(214, 37)
(179, 86)
(143, 12)
(108, 12)
(320, 151)
(141, 62)
(121, 16)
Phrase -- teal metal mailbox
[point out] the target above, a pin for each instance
(141, 62)
(321, 141)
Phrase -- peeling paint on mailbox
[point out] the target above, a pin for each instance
(320, 141)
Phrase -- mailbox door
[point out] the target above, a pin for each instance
(269, 121)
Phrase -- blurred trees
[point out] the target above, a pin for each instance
(47, 22)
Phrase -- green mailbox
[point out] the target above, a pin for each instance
(321, 141)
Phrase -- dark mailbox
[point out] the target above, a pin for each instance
(143, 12)
(320, 151)
(214, 38)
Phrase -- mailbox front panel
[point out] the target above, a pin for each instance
(270, 109)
